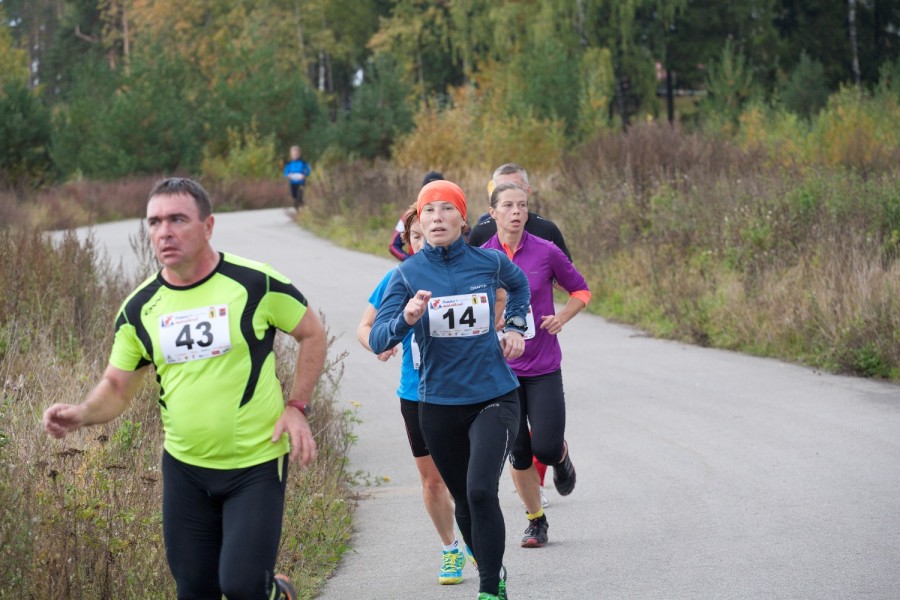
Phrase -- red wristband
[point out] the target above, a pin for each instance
(303, 407)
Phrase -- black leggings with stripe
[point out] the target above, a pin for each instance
(222, 528)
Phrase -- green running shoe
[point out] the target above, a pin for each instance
(502, 595)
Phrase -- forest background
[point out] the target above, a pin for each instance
(725, 173)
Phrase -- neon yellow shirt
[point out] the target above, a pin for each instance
(212, 346)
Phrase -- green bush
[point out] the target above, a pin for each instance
(780, 134)
(858, 131)
(153, 120)
(76, 130)
(25, 137)
(730, 85)
(549, 85)
(248, 156)
(889, 79)
(471, 136)
(805, 92)
(255, 93)
(379, 112)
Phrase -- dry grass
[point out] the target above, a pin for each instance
(694, 238)
(698, 240)
(687, 236)
(80, 203)
(782, 241)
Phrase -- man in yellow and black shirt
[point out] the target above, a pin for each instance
(207, 322)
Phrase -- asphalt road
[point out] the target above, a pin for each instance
(701, 473)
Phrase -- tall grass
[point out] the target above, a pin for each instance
(81, 517)
(700, 238)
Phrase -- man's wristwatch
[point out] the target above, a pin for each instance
(517, 324)
(304, 407)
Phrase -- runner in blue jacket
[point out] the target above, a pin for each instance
(297, 170)
(469, 412)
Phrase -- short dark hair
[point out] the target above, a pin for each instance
(174, 186)
(432, 176)
(503, 187)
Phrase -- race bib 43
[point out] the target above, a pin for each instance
(195, 334)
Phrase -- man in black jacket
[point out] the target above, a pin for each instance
(535, 225)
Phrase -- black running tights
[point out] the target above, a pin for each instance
(543, 408)
(222, 528)
(469, 445)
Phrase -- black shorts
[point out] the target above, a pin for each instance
(410, 411)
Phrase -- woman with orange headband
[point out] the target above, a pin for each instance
(437, 499)
(469, 407)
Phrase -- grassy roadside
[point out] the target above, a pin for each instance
(695, 240)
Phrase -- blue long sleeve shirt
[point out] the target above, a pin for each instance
(461, 358)
(297, 171)
(409, 366)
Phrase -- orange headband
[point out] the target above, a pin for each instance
(442, 191)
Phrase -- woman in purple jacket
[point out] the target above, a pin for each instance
(541, 396)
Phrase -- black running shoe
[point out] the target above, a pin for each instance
(564, 475)
(536, 533)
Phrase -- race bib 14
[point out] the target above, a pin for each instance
(459, 316)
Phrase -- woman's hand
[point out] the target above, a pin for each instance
(513, 344)
(416, 307)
